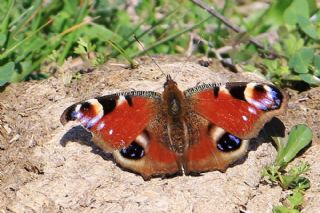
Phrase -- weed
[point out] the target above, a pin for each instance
(299, 137)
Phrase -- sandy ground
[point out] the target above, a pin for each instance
(45, 167)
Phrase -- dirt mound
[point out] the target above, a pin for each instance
(47, 167)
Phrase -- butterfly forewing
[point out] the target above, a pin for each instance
(118, 119)
(239, 108)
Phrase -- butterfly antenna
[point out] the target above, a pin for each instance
(194, 43)
(154, 61)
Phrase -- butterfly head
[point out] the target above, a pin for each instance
(169, 83)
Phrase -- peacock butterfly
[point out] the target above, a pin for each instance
(201, 129)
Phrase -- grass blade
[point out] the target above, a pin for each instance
(8, 51)
(299, 137)
(170, 38)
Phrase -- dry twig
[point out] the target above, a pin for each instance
(215, 13)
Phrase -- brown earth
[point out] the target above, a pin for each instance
(45, 167)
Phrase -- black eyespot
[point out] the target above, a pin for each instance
(259, 88)
(134, 151)
(228, 143)
(85, 107)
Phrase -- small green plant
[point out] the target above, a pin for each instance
(87, 52)
(84, 49)
(299, 137)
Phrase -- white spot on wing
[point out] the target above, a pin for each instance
(110, 131)
(252, 110)
(245, 118)
(224, 90)
(267, 88)
(76, 114)
(93, 101)
(121, 100)
(77, 109)
(248, 92)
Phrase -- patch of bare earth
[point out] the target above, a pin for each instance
(47, 167)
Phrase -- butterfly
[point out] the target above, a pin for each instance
(204, 128)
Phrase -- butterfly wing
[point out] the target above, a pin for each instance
(129, 126)
(240, 108)
(227, 114)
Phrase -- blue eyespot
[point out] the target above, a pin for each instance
(229, 143)
(134, 151)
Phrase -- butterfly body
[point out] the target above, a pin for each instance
(201, 129)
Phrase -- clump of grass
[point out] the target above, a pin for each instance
(31, 32)
(292, 179)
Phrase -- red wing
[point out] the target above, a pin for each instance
(125, 125)
(239, 108)
(148, 156)
(213, 148)
(116, 119)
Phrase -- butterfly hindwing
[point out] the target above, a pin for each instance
(156, 158)
(127, 125)
(215, 149)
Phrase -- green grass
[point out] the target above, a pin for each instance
(32, 31)
(292, 180)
